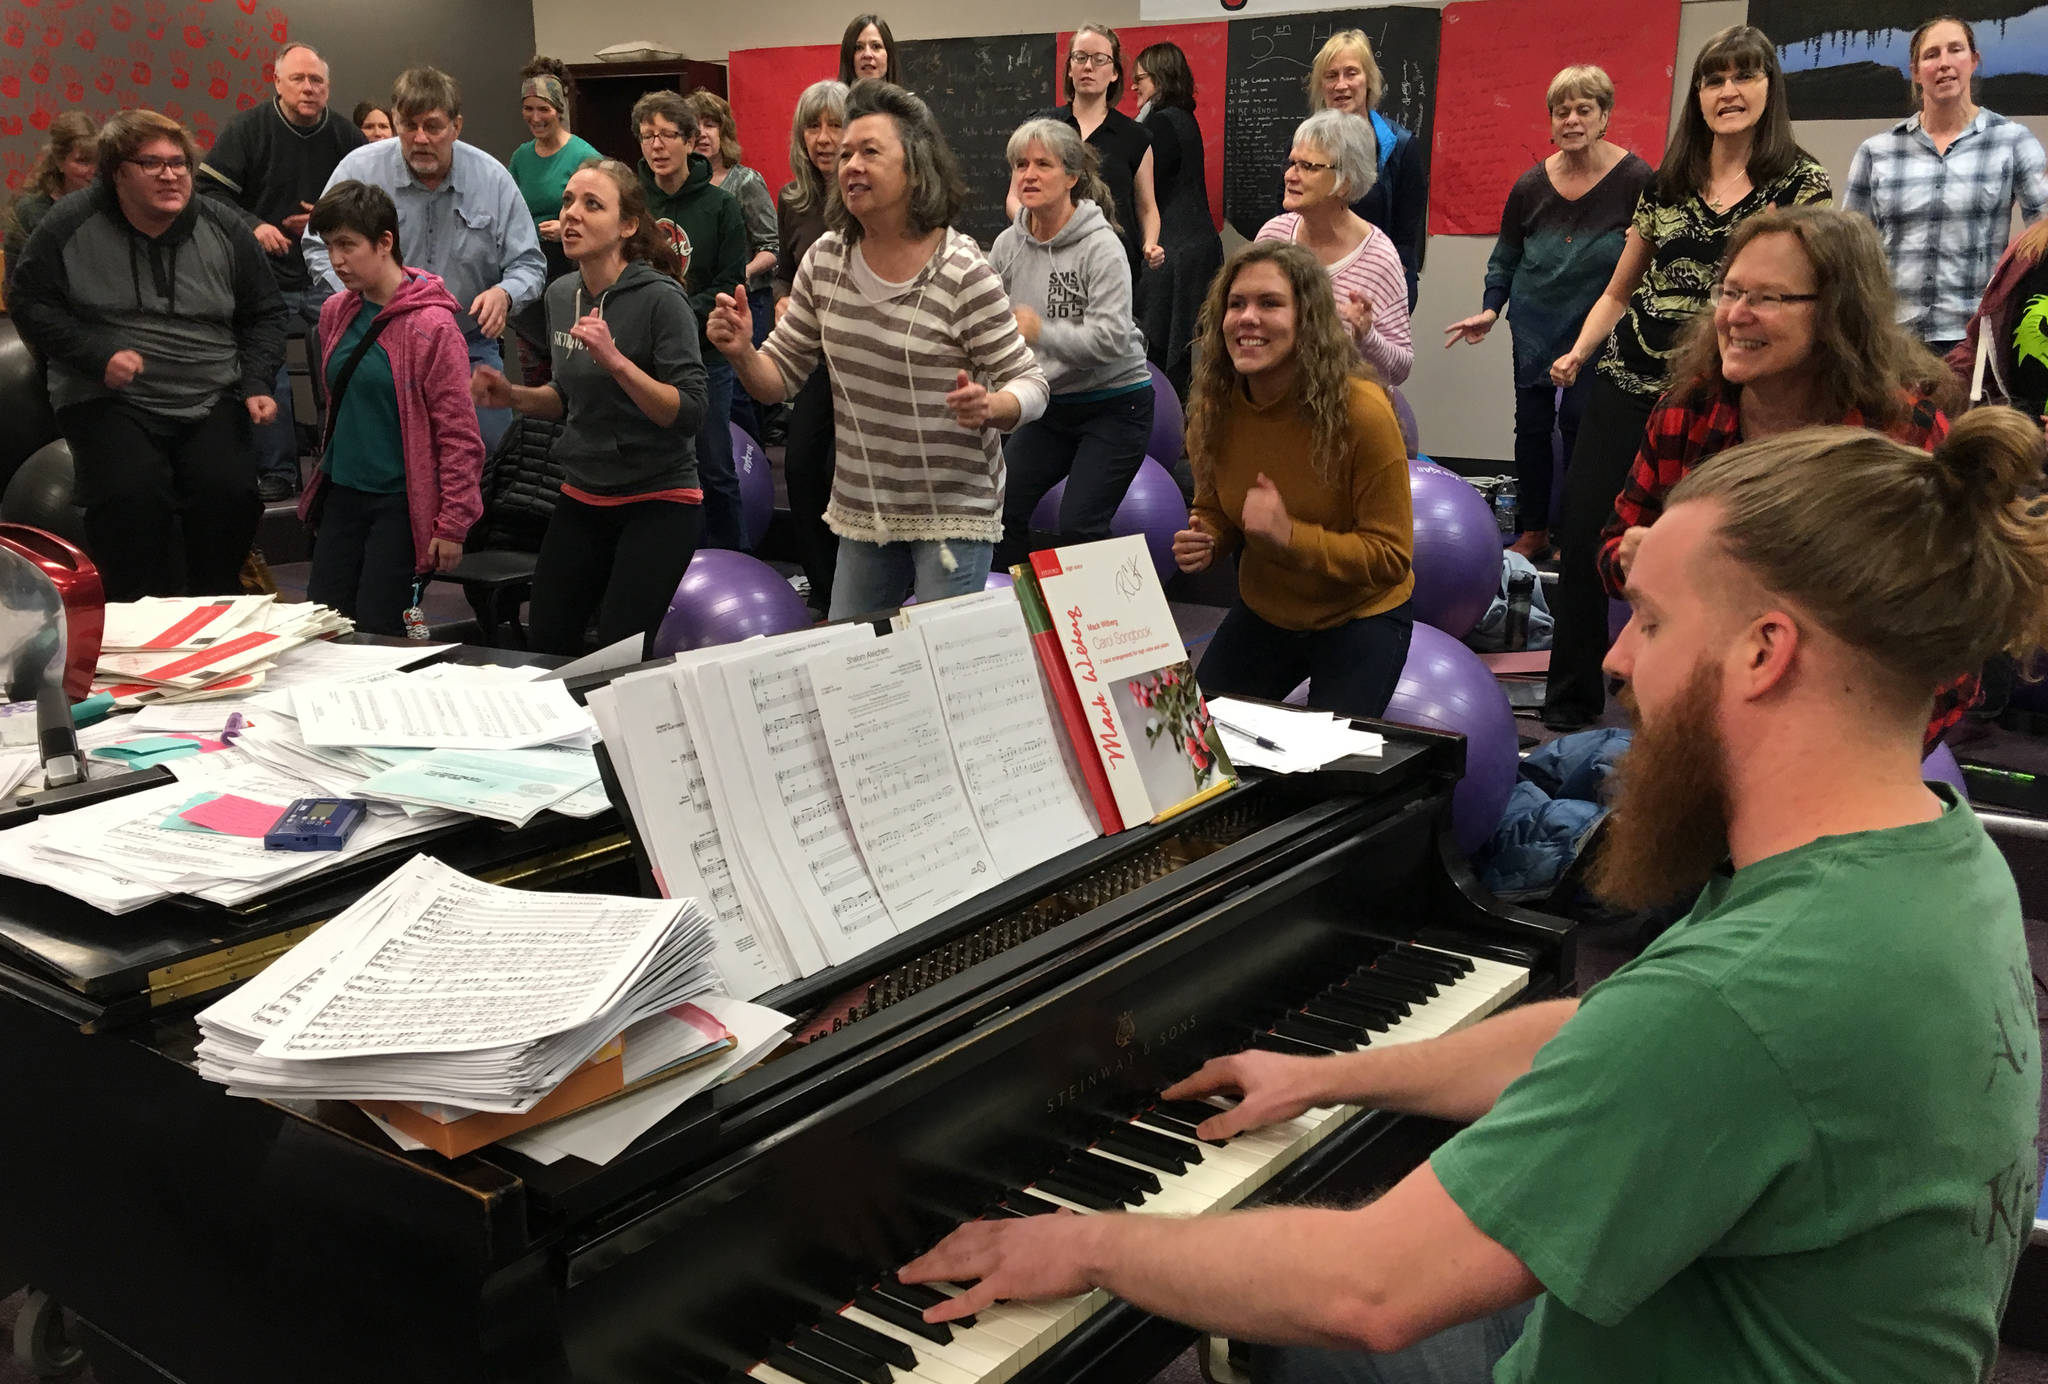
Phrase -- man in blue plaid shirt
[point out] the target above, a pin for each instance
(1941, 186)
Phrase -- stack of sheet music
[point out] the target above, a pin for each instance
(437, 988)
(180, 648)
(827, 789)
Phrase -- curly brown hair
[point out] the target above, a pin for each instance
(1326, 360)
(1862, 358)
(69, 132)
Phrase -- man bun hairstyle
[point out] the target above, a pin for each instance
(1927, 564)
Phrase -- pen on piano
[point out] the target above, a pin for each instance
(1261, 741)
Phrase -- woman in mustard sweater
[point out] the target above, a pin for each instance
(1300, 468)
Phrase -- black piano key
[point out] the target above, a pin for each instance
(871, 1342)
(1274, 1042)
(1173, 1126)
(1108, 1184)
(809, 1370)
(1191, 1111)
(1392, 986)
(848, 1360)
(1114, 1142)
(1334, 1033)
(1024, 1204)
(918, 1295)
(1078, 1194)
(1009, 1211)
(1395, 966)
(902, 1314)
(1463, 963)
(1344, 1010)
(1140, 1136)
(1136, 1178)
(1442, 968)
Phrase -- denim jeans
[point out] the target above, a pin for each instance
(716, 476)
(277, 442)
(491, 422)
(873, 578)
(1456, 1355)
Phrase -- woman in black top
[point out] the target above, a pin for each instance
(1094, 81)
(1169, 299)
(810, 446)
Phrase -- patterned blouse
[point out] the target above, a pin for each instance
(1686, 241)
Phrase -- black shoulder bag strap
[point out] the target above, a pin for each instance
(348, 371)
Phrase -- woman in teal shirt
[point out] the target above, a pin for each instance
(541, 167)
(1560, 235)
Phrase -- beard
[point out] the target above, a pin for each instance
(1669, 829)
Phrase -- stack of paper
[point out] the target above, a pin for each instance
(190, 648)
(437, 988)
(1285, 739)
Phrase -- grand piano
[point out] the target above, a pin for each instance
(1001, 1059)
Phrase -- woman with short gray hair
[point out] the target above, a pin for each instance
(1333, 165)
(927, 366)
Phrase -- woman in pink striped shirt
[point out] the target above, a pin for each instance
(1331, 166)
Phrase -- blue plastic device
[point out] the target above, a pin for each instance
(315, 824)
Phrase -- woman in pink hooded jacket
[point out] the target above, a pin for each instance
(397, 487)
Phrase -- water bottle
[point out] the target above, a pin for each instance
(1521, 594)
(1507, 507)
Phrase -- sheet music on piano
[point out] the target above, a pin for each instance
(681, 834)
(1018, 769)
(880, 712)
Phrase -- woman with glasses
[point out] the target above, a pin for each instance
(705, 227)
(1330, 168)
(1802, 334)
(1731, 156)
(1346, 77)
(1561, 232)
(163, 330)
(1094, 81)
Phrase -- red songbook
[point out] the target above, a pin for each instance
(1053, 660)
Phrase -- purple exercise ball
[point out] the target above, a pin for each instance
(1152, 508)
(757, 484)
(1445, 686)
(725, 597)
(1410, 433)
(1457, 549)
(1169, 430)
(1941, 767)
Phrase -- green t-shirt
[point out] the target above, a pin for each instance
(1794, 1140)
(541, 180)
(366, 450)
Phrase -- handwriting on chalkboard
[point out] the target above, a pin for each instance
(981, 89)
(1266, 74)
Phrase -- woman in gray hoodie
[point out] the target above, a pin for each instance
(629, 386)
(1069, 280)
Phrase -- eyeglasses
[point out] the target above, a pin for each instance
(1743, 76)
(154, 167)
(666, 137)
(432, 129)
(1091, 59)
(1306, 166)
(1728, 295)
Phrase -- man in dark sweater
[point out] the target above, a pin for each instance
(163, 330)
(271, 162)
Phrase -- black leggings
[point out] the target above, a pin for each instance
(170, 504)
(1610, 436)
(1537, 411)
(621, 563)
(807, 457)
(1351, 669)
(1095, 447)
(363, 557)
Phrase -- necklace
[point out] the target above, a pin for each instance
(1713, 196)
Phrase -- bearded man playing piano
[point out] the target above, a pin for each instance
(1794, 1139)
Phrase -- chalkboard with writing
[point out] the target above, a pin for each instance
(1266, 77)
(981, 89)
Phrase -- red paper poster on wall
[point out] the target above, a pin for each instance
(763, 85)
(1498, 57)
(1206, 46)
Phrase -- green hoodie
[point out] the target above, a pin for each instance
(704, 225)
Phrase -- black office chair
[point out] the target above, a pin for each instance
(520, 485)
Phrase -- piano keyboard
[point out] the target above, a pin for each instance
(1150, 1164)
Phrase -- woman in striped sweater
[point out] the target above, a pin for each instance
(927, 366)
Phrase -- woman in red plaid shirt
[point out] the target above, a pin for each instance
(1803, 332)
